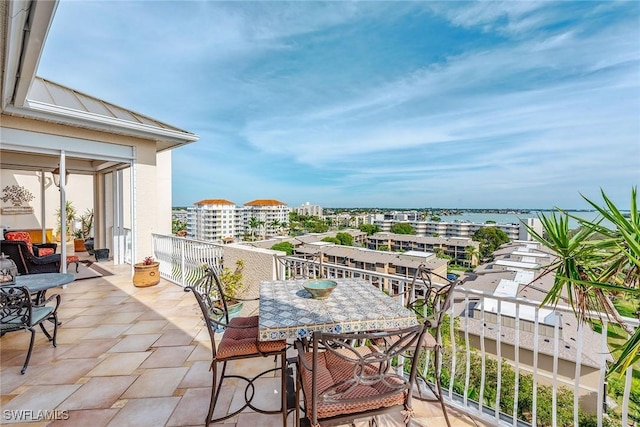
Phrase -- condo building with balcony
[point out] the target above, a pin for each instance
(455, 229)
(455, 247)
(215, 220)
(309, 209)
(271, 214)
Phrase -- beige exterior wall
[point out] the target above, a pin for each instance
(259, 265)
(79, 193)
(165, 205)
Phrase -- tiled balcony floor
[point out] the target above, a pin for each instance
(131, 356)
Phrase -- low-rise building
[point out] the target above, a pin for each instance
(528, 330)
(455, 247)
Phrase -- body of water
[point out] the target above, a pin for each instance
(481, 218)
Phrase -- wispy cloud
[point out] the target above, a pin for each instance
(373, 103)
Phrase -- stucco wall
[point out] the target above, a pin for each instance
(259, 265)
(79, 193)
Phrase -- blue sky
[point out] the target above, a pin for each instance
(373, 104)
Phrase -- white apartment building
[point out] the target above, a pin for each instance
(309, 209)
(215, 220)
(459, 229)
(272, 216)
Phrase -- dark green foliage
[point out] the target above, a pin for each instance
(490, 239)
(402, 228)
(331, 240)
(370, 229)
(284, 247)
(345, 239)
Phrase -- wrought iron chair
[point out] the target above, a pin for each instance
(26, 261)
(239, 341)
(19, 313)
(342, 383)
(289, 269)
(430, 303)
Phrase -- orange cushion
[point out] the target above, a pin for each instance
(70, 258)
(20, 235)
(244, 342)
(45, 251)
(332, 370)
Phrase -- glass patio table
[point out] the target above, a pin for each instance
(287, 310)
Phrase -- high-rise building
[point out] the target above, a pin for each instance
(216, 220)
(265, 217)
(309, 209)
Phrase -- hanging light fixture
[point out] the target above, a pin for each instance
(56, 176)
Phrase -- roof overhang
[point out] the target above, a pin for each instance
(27, 25)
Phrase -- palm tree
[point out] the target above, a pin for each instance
(471, 253)
(595, 263)
(275, 225)
(253, 224)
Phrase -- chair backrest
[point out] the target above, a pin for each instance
(20, 236)
(430, 302)
(208, 293)
(17, 251)
(360, 373)
(15, 308)
(289, 269)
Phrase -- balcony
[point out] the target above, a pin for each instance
(131, 356)
(140, 356)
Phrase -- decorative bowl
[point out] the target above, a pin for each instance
(319, 288)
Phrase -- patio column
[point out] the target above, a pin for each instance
(63, 211)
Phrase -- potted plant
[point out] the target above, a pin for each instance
(86, 227)
(70, 212)
(146, 273)
(78, 241)
(232, 286)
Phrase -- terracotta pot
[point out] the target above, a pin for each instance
(78, 245)
(146, 274)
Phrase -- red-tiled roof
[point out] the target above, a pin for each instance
(264, 202)
(214, 202)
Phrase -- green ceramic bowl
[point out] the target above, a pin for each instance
(319, 288)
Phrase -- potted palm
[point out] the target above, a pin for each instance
(78, 241)
(232, 286)
(146, 273)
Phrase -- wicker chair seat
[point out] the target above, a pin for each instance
(244, 342)
(333, 370)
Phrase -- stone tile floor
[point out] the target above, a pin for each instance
(130, 356)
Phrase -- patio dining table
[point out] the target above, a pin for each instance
(38, 284)
(287, 310)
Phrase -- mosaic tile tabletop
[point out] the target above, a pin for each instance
(287, 310)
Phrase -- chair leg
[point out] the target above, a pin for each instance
(26, 362)
(215, 390)
(283, 386)
(436, 370)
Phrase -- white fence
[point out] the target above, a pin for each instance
(513, 342)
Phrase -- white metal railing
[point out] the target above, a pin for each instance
(545, 362)
(491, 346)
(181, 260)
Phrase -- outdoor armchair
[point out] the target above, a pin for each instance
(26, 261)
(430, 302)
(37, 249)
(342, 383)
(239, 341)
